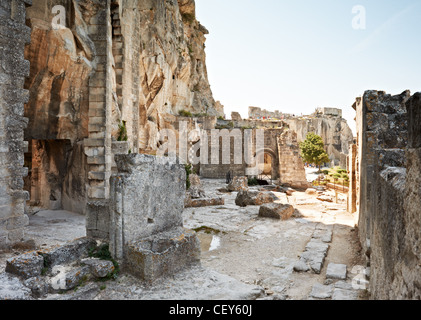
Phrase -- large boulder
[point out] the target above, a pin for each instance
(276, 211)
(238, 184)
(27, 265)
(254, 198)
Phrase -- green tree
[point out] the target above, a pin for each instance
(313, 150)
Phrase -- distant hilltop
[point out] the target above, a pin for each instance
(262, 114)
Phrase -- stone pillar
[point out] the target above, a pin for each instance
(292, 170)
(14, 35)
(98, 145)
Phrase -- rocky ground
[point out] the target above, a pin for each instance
(244, 257)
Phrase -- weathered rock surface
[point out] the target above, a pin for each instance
(67, 253)
(336, 271)
(334, 130)
(238, 184)
(325, 198)
(387, 171)
(313, 257)
(196, 189)
(38, 286)
(172, 64)
(254, 198)
(311, 191)
(320, 291)
(99, 268)
(27, 265)
(203, 202)
(11, 288)
(276, 211)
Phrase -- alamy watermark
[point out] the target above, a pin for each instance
(59, 20)
(206, 146)
(359, 22)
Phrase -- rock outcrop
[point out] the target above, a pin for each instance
(172, 64)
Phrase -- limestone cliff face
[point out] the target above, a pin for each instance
(172, 65)
(58, 81)
(158, 54)
(334, 130)
(107, 70)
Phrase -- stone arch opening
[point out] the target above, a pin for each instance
(269, 169)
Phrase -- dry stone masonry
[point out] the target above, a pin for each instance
(14, 35)
(387, 191)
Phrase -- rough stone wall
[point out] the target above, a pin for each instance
(282, 146)
(14, 35)
(388, 184)
(292, 171)
(325, 122)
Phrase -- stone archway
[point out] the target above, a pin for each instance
(270, 167)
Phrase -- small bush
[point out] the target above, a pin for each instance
(122, 132)
(189, 171)
(253, 182)
(188, 17)
(104, 253)
(184, 113)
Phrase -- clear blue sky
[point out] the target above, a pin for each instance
(297, 55)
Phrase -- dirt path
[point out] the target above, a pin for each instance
(244, 257)
(263, 251)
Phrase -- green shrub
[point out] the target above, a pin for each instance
(122, 132)
(184, 113)
(336, 176)
(189, 171)
(253, 182)
(102, 252)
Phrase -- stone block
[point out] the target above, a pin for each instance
(67, 253)
(27, 265)
(68, 278)
(341, 294)
(99, 268)
(254, 198)
(162, 254)
(336, 271)
(276, 211)
(238, 184)
(203, 202)
(320, 291)
(161, 182)
(38, 286)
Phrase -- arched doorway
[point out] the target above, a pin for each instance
(269, 168)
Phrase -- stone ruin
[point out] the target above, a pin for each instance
(74, 95)
(146, 224)
(384, 193)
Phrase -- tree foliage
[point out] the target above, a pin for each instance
(313, 150)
